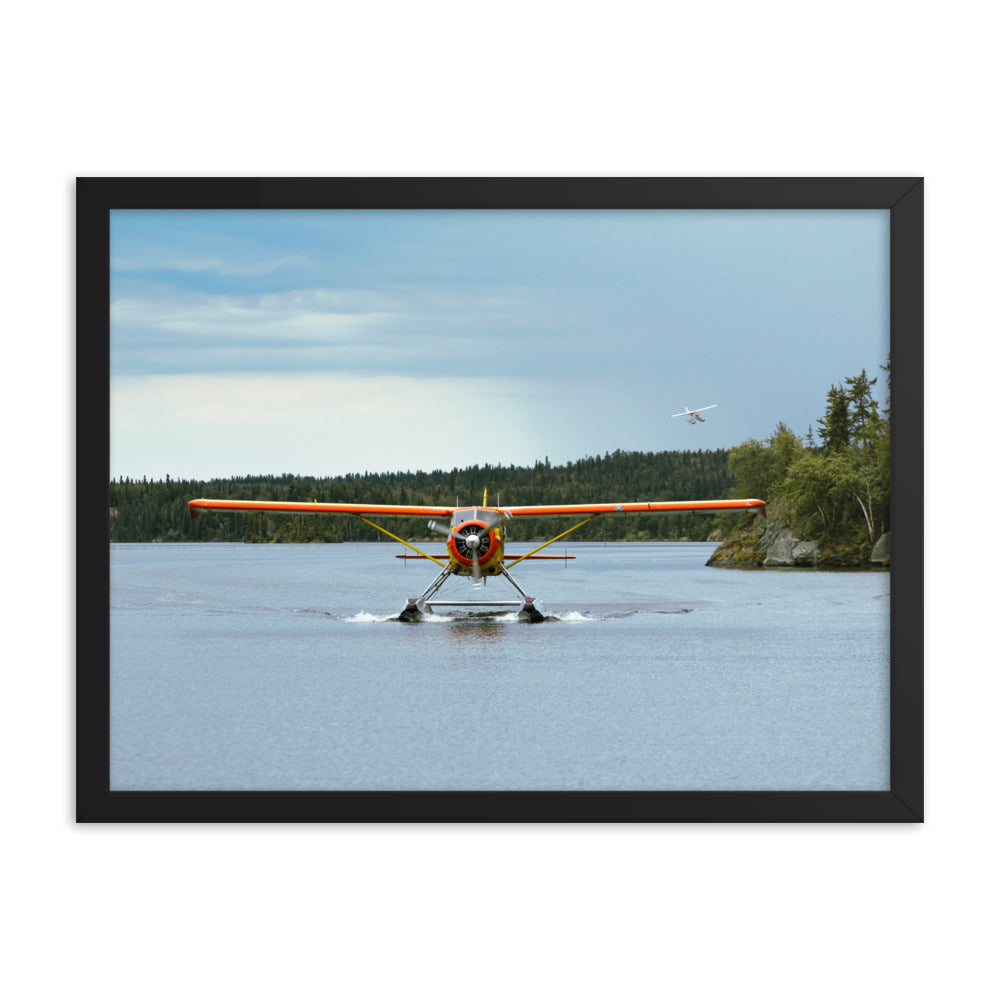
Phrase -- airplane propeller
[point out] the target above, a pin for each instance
(471, 539)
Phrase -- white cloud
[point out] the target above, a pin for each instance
(161, 329)
(210, 317)
(167, 260)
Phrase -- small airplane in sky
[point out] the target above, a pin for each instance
(476, 536)
(694, 415)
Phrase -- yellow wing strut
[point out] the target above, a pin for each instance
(556, 539)
(400, 540)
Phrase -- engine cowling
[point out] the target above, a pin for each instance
(489, 549)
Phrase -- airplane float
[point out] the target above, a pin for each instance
(476, 537)
(694, 415)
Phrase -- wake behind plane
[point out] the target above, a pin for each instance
(476, 537)
(694, 415)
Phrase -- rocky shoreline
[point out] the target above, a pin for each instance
(760, 543)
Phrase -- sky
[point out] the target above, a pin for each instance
(330, 342)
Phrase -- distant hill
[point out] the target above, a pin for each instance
(147, 511)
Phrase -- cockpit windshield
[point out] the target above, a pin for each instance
(474, 514)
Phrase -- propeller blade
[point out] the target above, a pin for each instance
(441, 529)
(501, 521)
(472, 542)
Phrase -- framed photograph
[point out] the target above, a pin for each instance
(499, 499)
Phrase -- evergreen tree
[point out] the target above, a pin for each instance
(863, 418)
(887, 368)
(835, 427)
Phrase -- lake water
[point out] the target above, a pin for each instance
(278, 667)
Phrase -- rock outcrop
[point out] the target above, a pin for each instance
(880, 554)
(773, 543)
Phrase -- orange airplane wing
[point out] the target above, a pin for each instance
(645, 507)
(401, 510)
(294, 507)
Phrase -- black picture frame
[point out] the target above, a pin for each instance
(96, 197)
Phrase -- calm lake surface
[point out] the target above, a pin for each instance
(277, 667)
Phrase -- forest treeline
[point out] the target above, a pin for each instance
(833, 486)
(145, 511)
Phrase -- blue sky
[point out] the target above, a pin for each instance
(323, 343)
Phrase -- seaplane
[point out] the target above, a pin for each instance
(694, 415)
(476, 538)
